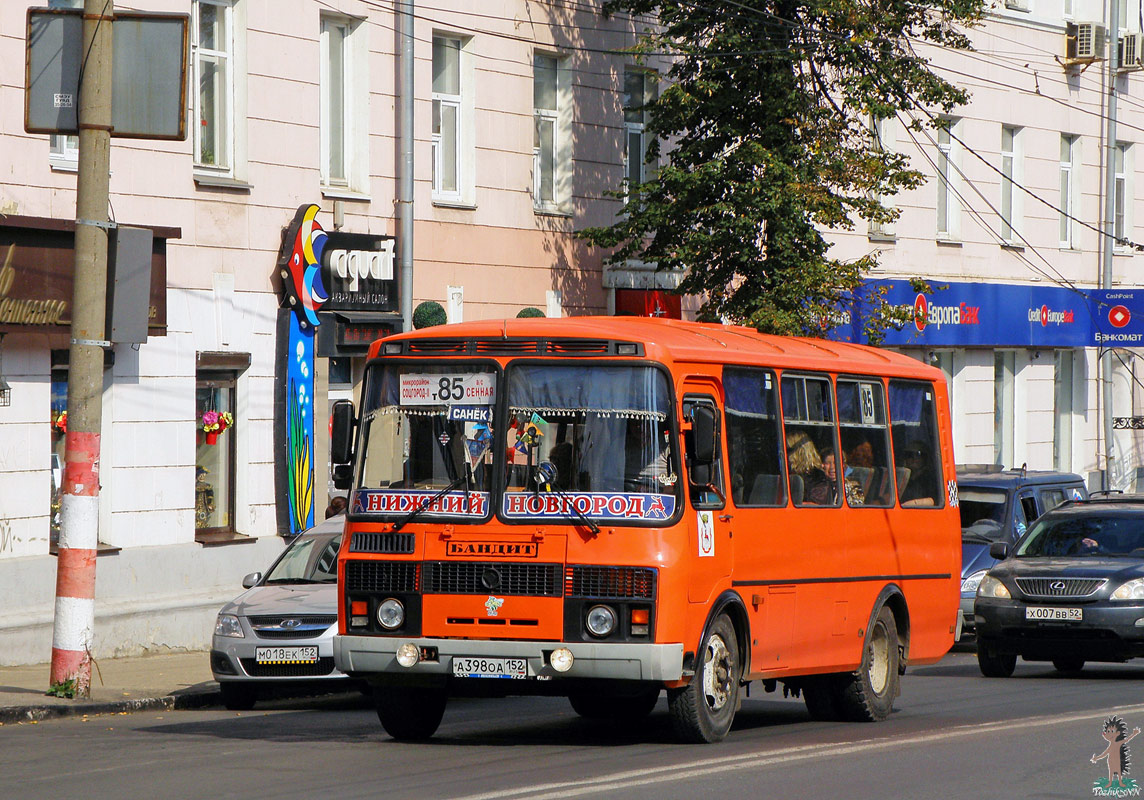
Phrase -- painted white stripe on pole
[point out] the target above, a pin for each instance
(79, 522)
(75, 619)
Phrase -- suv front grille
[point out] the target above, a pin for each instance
(1060, 588)
(472, 577)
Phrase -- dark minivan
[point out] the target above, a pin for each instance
(998, 505)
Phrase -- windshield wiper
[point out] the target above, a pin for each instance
(412, 515)
(546, 474)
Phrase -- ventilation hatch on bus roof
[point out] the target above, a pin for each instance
(517, 346)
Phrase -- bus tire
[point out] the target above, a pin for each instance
(410, 714)
(992, 663)
(821, 694)
(702, 711)
(629, 707)
(237, 696)
(868, 693)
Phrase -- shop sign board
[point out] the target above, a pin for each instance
(1004, 315)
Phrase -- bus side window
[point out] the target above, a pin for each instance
(808, 423)
(754, 453)
(704, 480)
(865, 437)
(917, 457)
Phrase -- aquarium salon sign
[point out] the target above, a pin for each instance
(1007, 315)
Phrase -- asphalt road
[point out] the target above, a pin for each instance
(954, 734)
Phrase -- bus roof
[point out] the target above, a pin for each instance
(667, 340)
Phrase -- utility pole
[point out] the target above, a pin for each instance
(79, 504)
(405, 170)
(1109, 220)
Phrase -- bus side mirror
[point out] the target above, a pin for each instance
(343, 476)
(342, 433)
(703, 434)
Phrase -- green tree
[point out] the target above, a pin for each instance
(766, 115)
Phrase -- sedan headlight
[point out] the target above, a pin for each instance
(991, 587)
(970, 584)
(1131, 590)
(228, 625)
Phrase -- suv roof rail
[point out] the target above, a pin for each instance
(980, 469)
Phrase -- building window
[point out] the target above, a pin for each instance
(334, 105)
(1004, 409)
(1068, 190)
(1010, 203)
(1120, 179)
(546, 139)
(1063, 370)
(447, 118)
(212, 56)
(63, 152)
(639, 93)
(946, 179)
(881, 134)
(214, 451)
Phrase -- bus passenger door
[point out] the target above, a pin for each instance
(709, 523)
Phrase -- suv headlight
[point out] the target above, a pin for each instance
(991, 587)
(970, 584)
(1130, 590)
(228, 625)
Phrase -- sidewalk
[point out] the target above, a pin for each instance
(143, 683)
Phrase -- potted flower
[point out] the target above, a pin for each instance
(214, 423)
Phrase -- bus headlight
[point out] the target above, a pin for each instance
(561, 659)
(390, 614)
(601, 621)
(991, 587)
(408, 654)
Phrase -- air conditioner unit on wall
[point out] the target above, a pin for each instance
(1084, 42)
(1128, 52)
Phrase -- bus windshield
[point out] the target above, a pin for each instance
(606, 431)
(426, 441)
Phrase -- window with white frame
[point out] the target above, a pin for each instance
(63, 152)
(447, 118)
(1120, 194)
(882, 135)
(212, 56)
(1010, 176)
(335, 100)
(1064, 365)
(639, 92)
(946, 179)
(546, 138)
(1067, 188)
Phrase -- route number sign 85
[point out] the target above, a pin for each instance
(430, 389)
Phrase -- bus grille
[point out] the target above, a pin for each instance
(617, 582)
(381, 576)
(472, 577)
(364, 542)
(1059, 588)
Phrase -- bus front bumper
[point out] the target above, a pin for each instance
(365, 655)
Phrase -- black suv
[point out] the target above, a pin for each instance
(997, 505)
(1071, 590)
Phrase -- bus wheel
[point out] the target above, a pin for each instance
(821, 695)
(615, 707)
(702, 710)
(410, 714)
(992, 663)
(867, 694)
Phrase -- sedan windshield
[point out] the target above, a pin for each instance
(310, 559)
(604, 429)
(427, 433)
(1117, 536)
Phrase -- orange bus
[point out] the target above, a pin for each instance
(606, 508)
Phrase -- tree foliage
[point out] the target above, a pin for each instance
(764, 123)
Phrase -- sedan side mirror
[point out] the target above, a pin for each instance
(999, 550)
(251, 580)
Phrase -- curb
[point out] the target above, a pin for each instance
(171, 702)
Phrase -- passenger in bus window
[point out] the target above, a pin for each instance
(920, 489)
(854, 494)
(806, 464)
